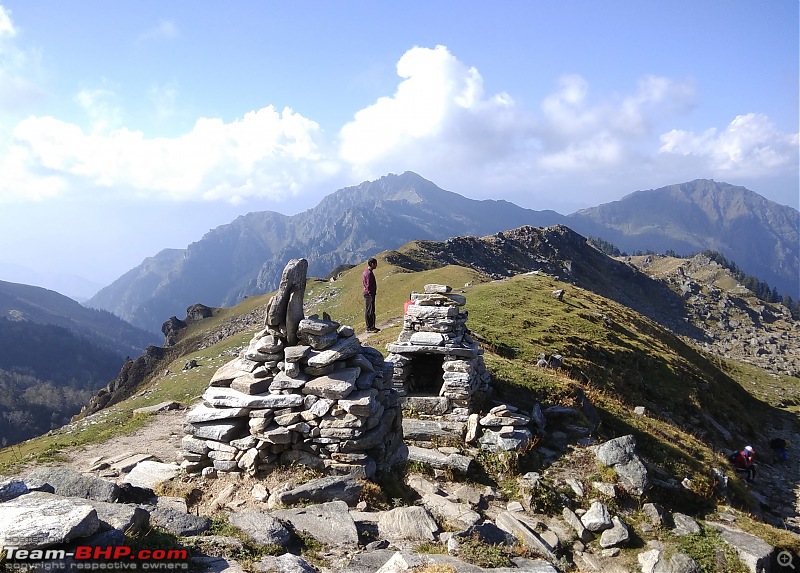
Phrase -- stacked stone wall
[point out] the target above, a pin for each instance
(436, 324)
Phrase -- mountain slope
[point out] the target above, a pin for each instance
(37, 305)
(760, 236)
(246, 256)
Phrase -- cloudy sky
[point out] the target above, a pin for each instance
(132, 126)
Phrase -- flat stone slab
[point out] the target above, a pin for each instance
(344, 348)
(229, 398)
(430, 430)
(249, 384)
(219, 430)
(41, 519)
(69, 483)
(435, 405)
(147, 474)
(753, 551)
(329, 523)
(227, 372)
(203, 413)
(262, 527)
(334, 386)
(413, 523)
(460, 351)
(459, 514)
(425, 313)
(341, 488)
(178, 522)
(129, 462)
(427, 339)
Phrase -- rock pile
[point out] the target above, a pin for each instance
(438, 367)
(303, 391)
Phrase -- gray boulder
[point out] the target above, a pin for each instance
(620, 454)
(507, 438)
(179, 523)
(456, 514)
(329, 523)
(752, 551)
(261, 527)
(69, 483)
(684, 525)
(122, 517)
(342, 488)
(286, 563)
(597, 518)
(413, 523)
(682, 563)
(11, 488)
(619, 534)
(653, 561)
(655, 514)
(40, 519)
(147, 474)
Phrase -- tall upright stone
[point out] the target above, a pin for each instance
(286, 307)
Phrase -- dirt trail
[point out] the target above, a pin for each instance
(160, 438)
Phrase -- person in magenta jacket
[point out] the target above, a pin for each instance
(370, 290)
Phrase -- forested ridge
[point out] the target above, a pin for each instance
(47, 374)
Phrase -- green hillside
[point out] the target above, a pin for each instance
(618, 358)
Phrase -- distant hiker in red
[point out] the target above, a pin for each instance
(743, 462)
(370, 290)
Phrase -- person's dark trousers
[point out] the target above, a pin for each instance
(369, 310)
(751, 472)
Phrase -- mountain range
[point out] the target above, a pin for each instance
(245, 257)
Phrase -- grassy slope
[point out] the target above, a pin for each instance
(627, 360)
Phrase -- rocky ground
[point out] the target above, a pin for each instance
(735, 324)
(436, 520)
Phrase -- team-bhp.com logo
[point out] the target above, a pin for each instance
(95, 558)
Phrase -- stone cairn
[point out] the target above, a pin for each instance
(435, 355)
(304, 391)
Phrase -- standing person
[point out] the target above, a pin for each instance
(779, 445)
(743, 462)
(370, 290)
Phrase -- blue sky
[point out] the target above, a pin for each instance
(133, 126)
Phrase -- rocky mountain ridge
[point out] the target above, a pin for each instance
(696, 297)
(352, 224)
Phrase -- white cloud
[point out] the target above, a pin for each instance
(18, 69)
(438, 118)
(7, 29)
(164, 29)
(101, 108)
(749, 146)
(438, 122)
(264, 154)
